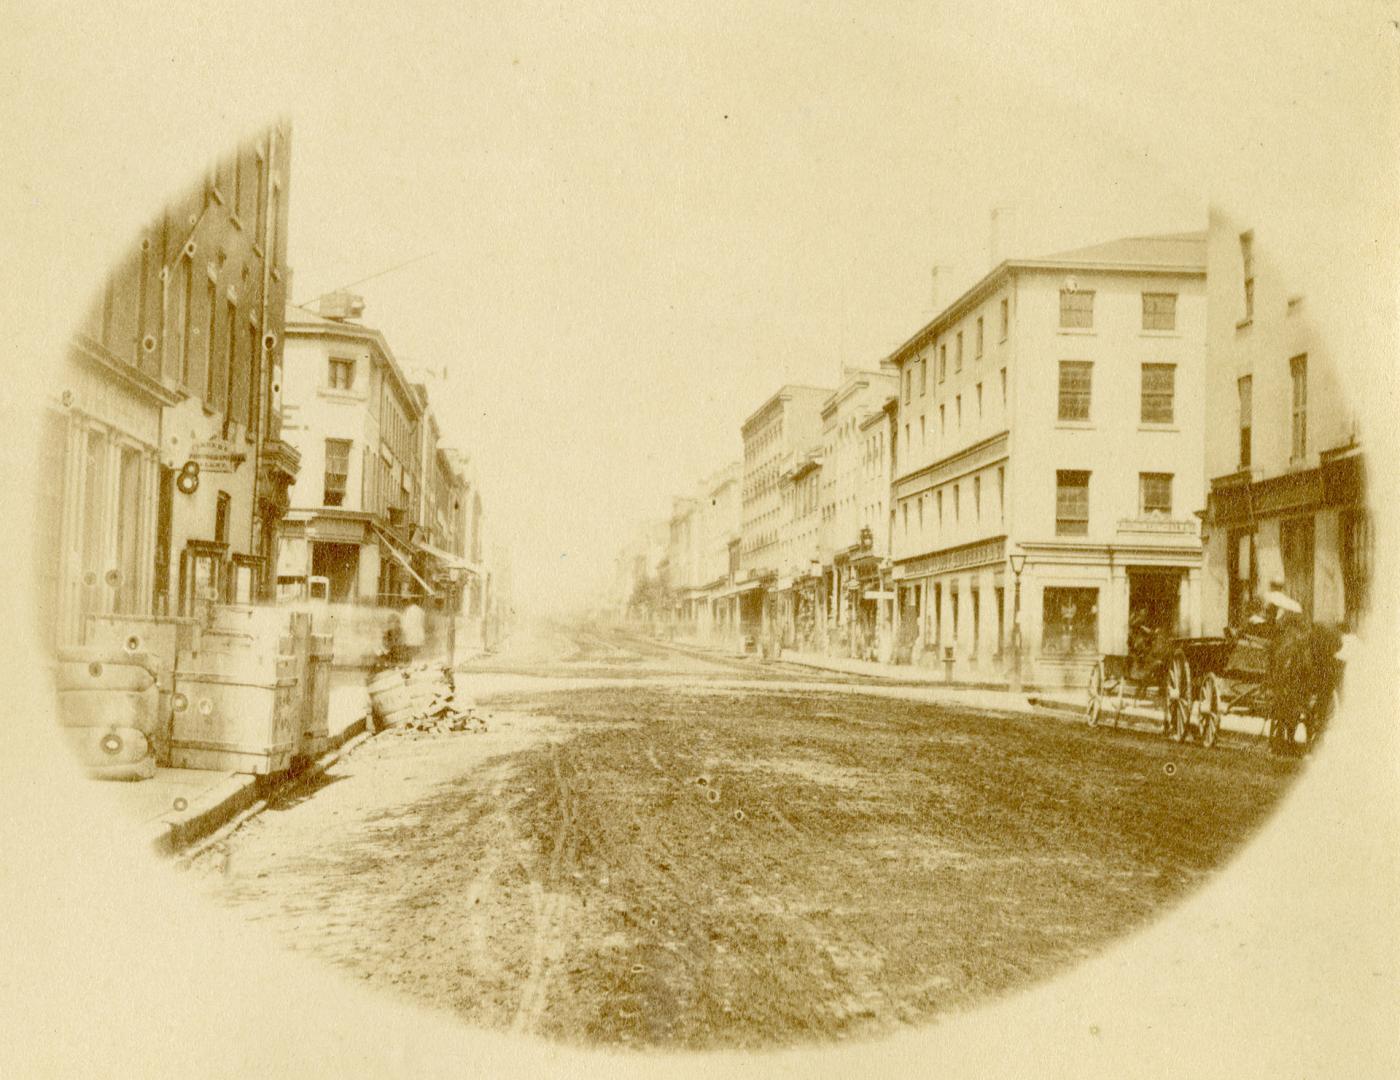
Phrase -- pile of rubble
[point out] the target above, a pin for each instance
(422, 697)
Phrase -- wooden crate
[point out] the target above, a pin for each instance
(220, 723)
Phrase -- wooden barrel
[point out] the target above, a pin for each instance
(112, 745)
(97, 675)
(138, 709)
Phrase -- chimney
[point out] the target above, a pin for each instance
(341, 306)
(933, 288)
(1003, 233)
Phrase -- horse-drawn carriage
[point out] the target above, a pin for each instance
(1284, 671)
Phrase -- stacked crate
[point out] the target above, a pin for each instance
(161, 638)
(109, 708)
(238, 699)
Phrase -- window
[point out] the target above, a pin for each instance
(1296, 541)
(1298, 368)
(1158, 311)
(238, 183)
(341, 373)
(1247, 262)
(1158, 392)
(1246, 387)
(230, 359)
(957, 503)
(209, 343)
(958, 401)
(337, 471)
(1001, 491)
(979, 402)
(939, 499)
(1155, 494)
(905, 508)
(1243, 579)
(1076, 309)
(1357, 552)
(976, 595)
(184, 331)
(977, 497)
(923, 375)
(1075, 385)
(259, 200)
(942, 362)
(1003, 388)
(979, 337)
(221, 512)
(908, 384)
(1005, 318)
(906, 435)
(1071, 503)
(254, 379)
(942, 421)
(921, 513)
(1070, 619)
(922, 434)
(958, 360)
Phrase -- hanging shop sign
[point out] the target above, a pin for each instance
(216, 456)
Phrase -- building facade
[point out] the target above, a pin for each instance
(381, 511)
(1054, 411)
(854, 492)
(1282, 450)
(163, 429)
(784, 425)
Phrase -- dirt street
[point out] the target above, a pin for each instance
(651, 849)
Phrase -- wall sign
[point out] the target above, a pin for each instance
(216, 456)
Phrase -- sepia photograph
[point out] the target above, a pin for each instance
(708, 540)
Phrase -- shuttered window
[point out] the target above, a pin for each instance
(1076, 309)
(1159, 311)
(1075, 385)
(1158, 393)
(1071, 503)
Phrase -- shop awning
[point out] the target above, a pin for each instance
(449, 560)
(403, 560)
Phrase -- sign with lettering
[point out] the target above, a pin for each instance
(216, 456)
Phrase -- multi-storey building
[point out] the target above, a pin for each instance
(717, 616)
(799, 592)
(1053, 414)
(854, 491)
(162, 432)
(1282, 449)
(356, 509)
(787, 422)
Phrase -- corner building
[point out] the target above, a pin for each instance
(1053, 411)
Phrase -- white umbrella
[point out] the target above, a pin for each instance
(1282, 600)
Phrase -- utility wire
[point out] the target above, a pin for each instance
(371, 277)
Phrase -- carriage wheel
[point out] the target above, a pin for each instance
(1178, 711)
(1210, 710)
(1094, 708)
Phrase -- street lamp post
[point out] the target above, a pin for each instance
(1018, 563)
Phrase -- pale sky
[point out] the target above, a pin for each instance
(643, 222)
(635, 242)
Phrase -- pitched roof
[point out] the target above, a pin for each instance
(1168, 249)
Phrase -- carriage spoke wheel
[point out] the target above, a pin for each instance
(1178, 712)
(1210, 711)
(1094, 709)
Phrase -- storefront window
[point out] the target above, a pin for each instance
(1070, 621)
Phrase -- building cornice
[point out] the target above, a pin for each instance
(976, 456)
(133, 378)
(1008, 268)
(331, 330)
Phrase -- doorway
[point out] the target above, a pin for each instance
(339, 564)
(1154, 605)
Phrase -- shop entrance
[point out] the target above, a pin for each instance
(1154, 605)
(339, 564)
